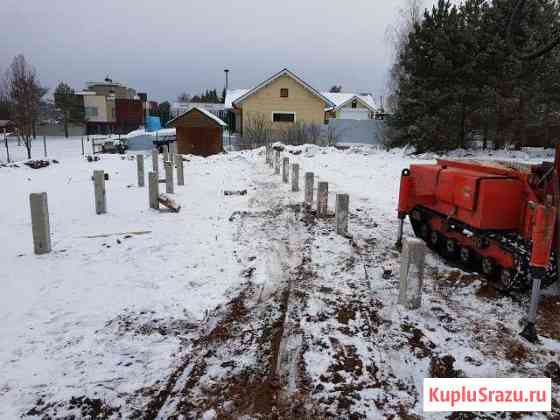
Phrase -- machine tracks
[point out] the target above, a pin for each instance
(246, 357)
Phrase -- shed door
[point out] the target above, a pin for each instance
(206, 141)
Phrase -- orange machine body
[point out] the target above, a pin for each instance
(487, 209)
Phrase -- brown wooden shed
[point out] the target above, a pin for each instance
(198, 132)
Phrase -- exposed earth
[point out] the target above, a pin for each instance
(240, 306)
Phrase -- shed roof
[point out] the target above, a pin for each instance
(283, 72)
(202, 111)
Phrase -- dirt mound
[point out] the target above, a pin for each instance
(442, 367)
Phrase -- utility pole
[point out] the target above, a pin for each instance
(226, 71)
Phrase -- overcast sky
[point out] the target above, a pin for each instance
(169, 46)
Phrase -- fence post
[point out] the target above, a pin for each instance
(412, 273)
(172, 152)
(168, 177)
(180, 170)
(277, 162)
(155, 160)
(285, 170)
(295, 177)
(165, 153)
(342, 205)
(140, 169)
(100, 194)
(309, 181)
(40, 224)
(322, 199)
(153, 190)
(45, 145)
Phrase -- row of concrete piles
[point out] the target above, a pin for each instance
(412, 262)
(40, 224)
(413, 253)
(322, 208)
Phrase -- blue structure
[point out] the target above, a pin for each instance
(153, 124)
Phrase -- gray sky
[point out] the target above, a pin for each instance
(165, 47)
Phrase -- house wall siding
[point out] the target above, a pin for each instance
(99, 102)
(307, 107)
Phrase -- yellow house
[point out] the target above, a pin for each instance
(282, 100)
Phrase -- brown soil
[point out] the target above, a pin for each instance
(548, 322)
(442, 367)
(81, 407)
(487, 291)
(418, 341)
(552, 371)
(516, 352)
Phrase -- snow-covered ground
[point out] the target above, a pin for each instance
(237, 305)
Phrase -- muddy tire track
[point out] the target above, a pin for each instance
(245, 356)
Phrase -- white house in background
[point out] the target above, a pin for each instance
(179, 108)
(351, 106)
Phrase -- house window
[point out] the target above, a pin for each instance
(354, 104)
(288, 117)
(284, 93)
(91, 111)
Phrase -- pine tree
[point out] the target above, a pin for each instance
(68, 103)
(459, 75)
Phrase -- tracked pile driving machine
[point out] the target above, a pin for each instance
(495, 217)
(498, 218)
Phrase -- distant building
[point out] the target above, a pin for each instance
(111, 107)
(110, 88)
(217, 109)
(351, 106)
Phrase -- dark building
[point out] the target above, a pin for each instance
(198, 132)
(129, 115)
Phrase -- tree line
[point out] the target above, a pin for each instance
(208, 96)
(458, 76)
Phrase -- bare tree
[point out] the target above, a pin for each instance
(257, 131)
(24, 92)
(301, 133)
(397, 33)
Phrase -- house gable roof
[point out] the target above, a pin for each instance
(342, 99)
(232, 95)
(206, 113)
(284, 72)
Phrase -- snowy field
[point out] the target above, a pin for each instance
(238, 305)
